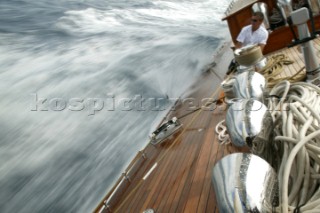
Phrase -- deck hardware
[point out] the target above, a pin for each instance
(250, 124)
(108, 207)
(148, 211)
(299, 18)
(143, 154)
(248, 55)
(126, 176)
(241, 187)
(102, 208)
(149, 172)
(165, 130)
(248, 84)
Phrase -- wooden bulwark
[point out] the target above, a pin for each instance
(180, 179)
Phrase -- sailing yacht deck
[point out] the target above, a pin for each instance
(295, 55)
(181, 179)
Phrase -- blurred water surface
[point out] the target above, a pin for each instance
(60, 60)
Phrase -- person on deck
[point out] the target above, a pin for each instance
(254, 33)
(251, 34)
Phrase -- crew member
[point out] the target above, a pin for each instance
(254, 33)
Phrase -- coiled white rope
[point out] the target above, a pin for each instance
(297, 117)
(222, 132)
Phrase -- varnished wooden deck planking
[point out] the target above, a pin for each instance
(291, 69)
(165, 188)
(170, 154)
(296, 55)
(317, 47)
(207, 202)
(206, 160)
(182, 173)
(182, 180)
(317, 44)
(184, 185)
(158, 182)
(171, 184)
(200, 167)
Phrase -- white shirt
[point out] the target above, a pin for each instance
(246, 36)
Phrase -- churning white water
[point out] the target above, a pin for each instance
(71, 73)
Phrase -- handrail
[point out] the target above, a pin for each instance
(104, 204)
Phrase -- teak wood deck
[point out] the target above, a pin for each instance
(181, 181)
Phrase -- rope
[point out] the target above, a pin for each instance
(274, 68)
(222, 132)
(297, 117)
(248, 55)
(208, 103)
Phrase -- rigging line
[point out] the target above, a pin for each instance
(216, 74)
(208, 103)
(164, 154)
(189, 113)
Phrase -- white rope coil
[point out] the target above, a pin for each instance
(222, 132)
(297, 116)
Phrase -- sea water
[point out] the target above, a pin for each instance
(83, 84)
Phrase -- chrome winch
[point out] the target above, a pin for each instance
(245, 183)
(245, 85)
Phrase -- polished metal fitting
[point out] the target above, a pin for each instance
(244, 183)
